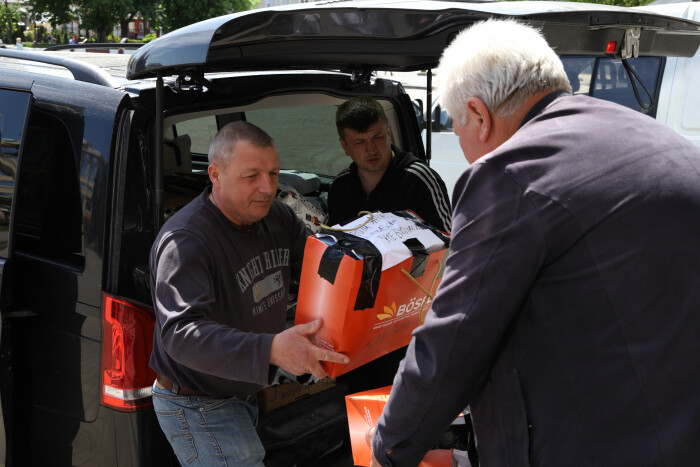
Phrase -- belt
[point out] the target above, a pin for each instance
(164, 383)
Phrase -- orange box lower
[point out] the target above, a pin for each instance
(400, 305)
(364, 409)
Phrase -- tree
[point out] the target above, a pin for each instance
(9, 17)
(178, 13)
(57, 11)
(98, 15)
(102, 15)
(144, 9)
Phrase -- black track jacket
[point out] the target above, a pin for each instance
(408, 183)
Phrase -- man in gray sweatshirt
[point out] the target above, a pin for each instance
(220, 273)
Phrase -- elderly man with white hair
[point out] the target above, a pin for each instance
(569, 313)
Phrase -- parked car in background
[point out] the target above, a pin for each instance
(662, 87)
(92, 164)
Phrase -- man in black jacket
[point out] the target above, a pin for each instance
(382, 177)
(567, 318)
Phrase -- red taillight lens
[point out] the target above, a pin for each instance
(127, 341)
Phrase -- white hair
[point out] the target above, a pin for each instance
(502, 62)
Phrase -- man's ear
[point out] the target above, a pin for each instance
(345, 146)
(213, 171)
(477, 110)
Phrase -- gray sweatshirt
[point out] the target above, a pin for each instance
(220, 295)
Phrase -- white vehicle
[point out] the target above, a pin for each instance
(662, 88)
(679, 99)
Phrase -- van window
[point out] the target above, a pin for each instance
(305, 137)
(201, 131)
(607, 79)
(48, 210)
(14, 106)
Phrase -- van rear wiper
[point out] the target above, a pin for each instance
(634, 77)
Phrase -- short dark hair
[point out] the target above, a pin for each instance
(358, 114)
(226, 138)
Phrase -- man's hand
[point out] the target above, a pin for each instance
(293, 351)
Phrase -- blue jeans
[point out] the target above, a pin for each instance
(209, 431)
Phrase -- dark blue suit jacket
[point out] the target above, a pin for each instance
(569, 314)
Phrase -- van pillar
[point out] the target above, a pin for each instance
(158, 180)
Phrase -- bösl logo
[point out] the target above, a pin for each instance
(415, 305)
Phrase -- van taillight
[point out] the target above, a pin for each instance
(127, 340)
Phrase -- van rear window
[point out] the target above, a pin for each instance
(607, 79)
(305, 136)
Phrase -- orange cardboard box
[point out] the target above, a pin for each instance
(367, 312)
(364, 409)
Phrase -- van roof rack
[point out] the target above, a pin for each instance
(96, 46)
(81, 71)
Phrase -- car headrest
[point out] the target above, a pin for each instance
(177, 157)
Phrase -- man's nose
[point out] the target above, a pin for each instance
(268, 184)
(371, 146)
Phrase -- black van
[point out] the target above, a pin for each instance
(92, 165)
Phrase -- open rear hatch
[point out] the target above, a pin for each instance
(398, 35)
(367, 36)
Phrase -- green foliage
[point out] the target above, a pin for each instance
(101, 15)
(98, 15)
(41, 33)
(58, 11)
(9, 17)
(179, 13)
(149, 37)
